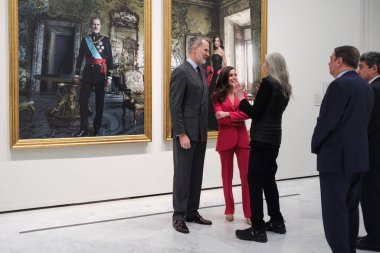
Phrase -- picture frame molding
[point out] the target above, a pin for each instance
(167, 60)
(14, 124)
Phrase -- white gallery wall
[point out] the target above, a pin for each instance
(305, 32)
(370, 25)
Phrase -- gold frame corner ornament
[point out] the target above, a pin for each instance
(17, 143)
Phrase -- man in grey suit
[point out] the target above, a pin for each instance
(340, 140)
(189, 117)
(369, 70)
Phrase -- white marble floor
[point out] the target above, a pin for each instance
(144, 225)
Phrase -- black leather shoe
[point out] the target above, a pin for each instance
(197, 218)
(97, 133)
(360, 237)
(365, 245)
(251, 234)
(82, 133)
(180, 226)
(276, 226)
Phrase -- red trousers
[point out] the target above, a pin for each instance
(227, 161)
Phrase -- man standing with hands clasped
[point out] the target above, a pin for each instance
(189, 117)
(97, 74)
(340, 141)
(369, 70)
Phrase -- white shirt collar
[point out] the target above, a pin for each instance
(373, 79)
(342, 73)
(192, 63)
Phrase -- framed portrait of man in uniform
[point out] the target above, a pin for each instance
(81, 72)
(238, 26)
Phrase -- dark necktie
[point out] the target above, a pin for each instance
(200, 76)
(199, 72)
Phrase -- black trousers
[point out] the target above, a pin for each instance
(187, 180)
(370, 203)
(93, 79)
(340, 195)
(261, 178)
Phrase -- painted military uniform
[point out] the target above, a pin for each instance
(96, 49)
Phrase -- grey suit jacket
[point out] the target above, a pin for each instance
(189, 103)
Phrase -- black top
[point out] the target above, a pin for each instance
(217, 62)
(103, 45)
(266, 113)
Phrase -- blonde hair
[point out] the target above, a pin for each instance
(278, 71)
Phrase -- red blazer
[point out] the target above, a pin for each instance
(232, 131)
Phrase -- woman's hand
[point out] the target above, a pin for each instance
(238, 90)
(221, 115)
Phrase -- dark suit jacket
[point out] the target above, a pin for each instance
(232, 131)
(106, 53)
(189, 103)
(340, 137)
(374, 128)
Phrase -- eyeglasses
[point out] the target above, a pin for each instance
(361, 67)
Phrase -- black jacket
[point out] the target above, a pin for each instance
(374, 128)
(266, 113)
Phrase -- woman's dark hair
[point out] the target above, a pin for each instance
(222, 87)
(221, 42)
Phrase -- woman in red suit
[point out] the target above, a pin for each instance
(232, 139)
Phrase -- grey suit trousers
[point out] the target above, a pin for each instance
(187, 181)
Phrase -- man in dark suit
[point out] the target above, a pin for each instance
(188, 109)
(340, 140)
(369, 70)
(97, 74)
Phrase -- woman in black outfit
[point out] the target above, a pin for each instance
(218, 61)
(266, 113)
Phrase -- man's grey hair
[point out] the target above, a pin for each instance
(371, 59)
(194, 42)
(94, 18)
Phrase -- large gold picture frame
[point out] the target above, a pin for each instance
(33, 77)
(205, 18)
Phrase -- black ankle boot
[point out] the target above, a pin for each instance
(276, 226)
